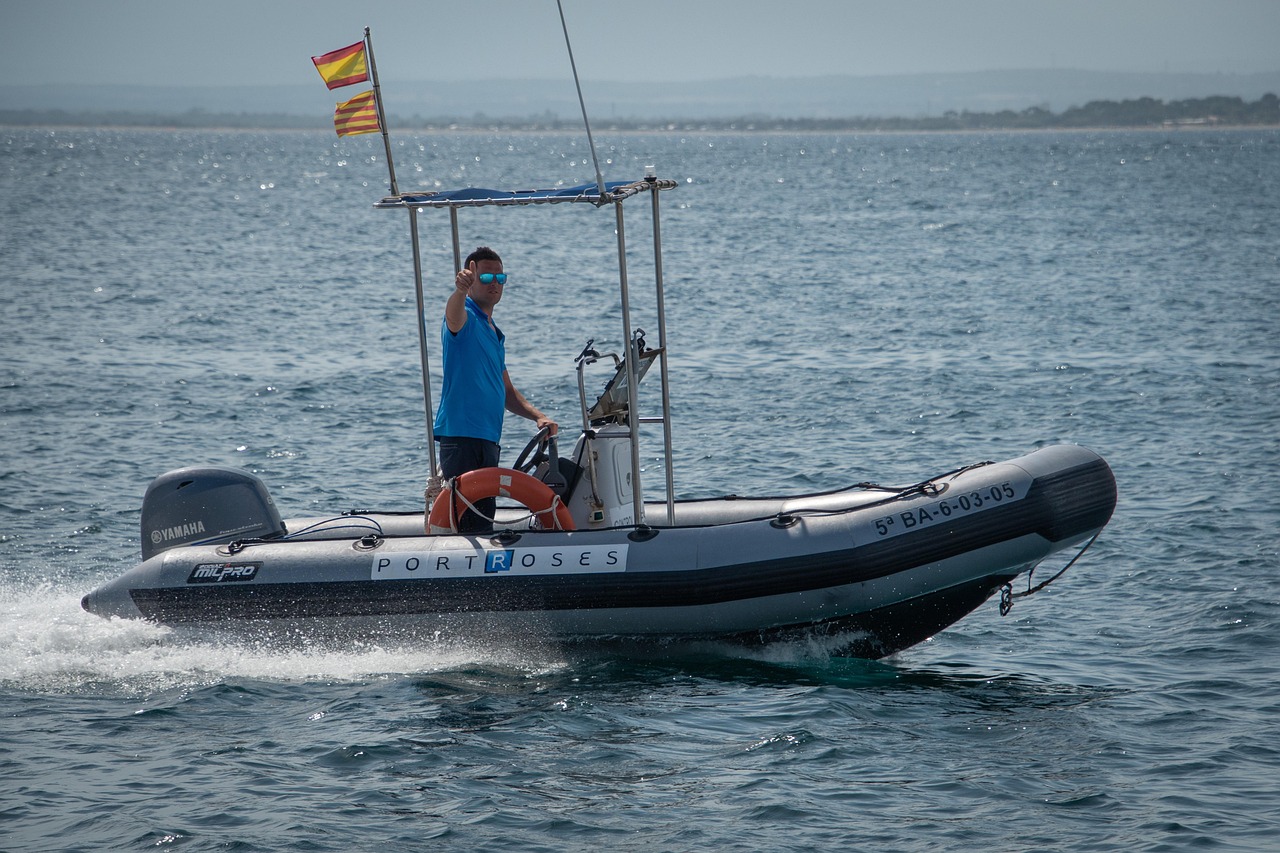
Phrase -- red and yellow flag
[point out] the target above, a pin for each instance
(344, 66)
(358, 115)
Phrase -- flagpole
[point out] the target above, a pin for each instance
(382, 115)
(434, 484)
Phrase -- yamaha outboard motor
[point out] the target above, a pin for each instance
(201, 506)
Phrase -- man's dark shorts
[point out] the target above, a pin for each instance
(458, 455)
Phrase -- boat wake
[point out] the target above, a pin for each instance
(49, 645)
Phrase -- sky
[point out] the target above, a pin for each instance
(249, 42)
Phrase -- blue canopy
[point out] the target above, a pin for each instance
(478, 197)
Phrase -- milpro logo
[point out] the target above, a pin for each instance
(223, 572)
(179, 531)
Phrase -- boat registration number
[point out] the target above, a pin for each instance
(467, 562)
(954, 504)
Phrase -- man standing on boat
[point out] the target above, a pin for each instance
(476, 389)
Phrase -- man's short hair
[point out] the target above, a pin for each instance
(484, 253)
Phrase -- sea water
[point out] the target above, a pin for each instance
(842, 308)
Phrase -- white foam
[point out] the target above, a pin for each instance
(49, 644)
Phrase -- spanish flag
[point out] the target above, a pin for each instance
(358, 115)
(344, 66)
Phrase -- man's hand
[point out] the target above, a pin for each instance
(464, 279)
(455, 310)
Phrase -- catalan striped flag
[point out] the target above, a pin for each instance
(358, 115)
(344, 66)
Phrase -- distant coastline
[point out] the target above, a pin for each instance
(1215, 111)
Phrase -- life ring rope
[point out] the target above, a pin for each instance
(467, 504)
(542, 503)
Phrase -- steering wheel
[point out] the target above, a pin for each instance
(543, 447)
(535, 452)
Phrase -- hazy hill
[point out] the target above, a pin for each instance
(911, 95)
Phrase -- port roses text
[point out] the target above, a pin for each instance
(524, 561)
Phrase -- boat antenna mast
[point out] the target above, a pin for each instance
(581, 102)
(633, 351)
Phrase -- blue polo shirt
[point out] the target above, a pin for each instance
(473, 398)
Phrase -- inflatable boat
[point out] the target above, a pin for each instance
(884, 568)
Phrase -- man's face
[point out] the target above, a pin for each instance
(486, 294)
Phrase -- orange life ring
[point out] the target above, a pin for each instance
(550, 511)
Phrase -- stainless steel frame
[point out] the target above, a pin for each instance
(599, 195)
